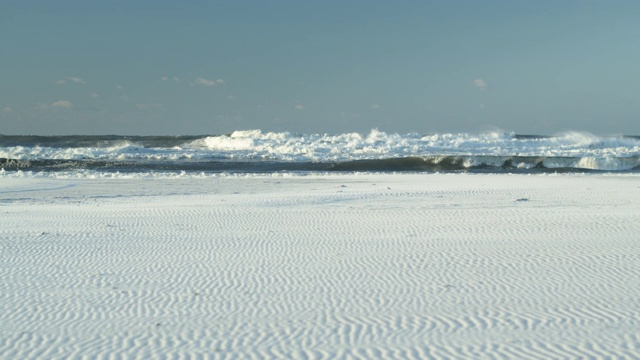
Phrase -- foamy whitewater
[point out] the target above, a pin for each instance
(259, 245)
(257, 152)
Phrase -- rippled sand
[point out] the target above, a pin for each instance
(340, 266)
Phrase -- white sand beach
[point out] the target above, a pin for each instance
(396, 266)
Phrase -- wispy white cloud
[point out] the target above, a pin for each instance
(174, 78)
(231, 97)
(350, 116)
(204, 82)
(94, 95)
(375, 106)
(62, 104)
(122, 93)
(207, 82)
(7, 110)
(57, 105)
(149, 106)
(480, 84)
(72, 79)
(299, 107)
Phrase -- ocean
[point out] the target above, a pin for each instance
(257, 152)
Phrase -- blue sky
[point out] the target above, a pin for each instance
(210, 67)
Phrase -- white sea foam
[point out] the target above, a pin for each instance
(354, 146)
(348, 266)
(583, 150)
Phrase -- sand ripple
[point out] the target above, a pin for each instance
(361, 266)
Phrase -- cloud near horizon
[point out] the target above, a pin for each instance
(149, 106)
(206, 82)
(62, 104)
(480, 84)
(72, 79)
(174, 78)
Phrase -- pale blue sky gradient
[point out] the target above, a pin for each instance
(153, 67)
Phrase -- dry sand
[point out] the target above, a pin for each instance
(319, 266)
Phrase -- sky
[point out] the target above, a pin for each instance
(156, 67)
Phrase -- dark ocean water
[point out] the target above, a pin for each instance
(257, 152)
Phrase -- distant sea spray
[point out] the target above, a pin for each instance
(254, 151)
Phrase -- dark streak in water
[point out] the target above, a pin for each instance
(485, 164)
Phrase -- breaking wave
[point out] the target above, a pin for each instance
(257, 151)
